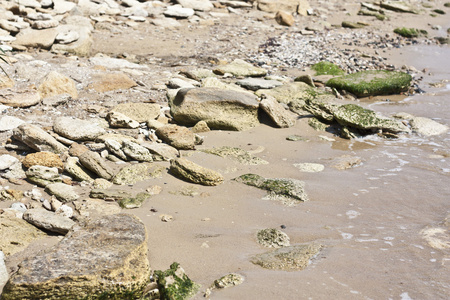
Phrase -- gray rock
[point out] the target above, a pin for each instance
(20, 98)
(115, 63)
(240, 67)
(48, 220)
(187, 170)
(95, 163)
(4, 276)
(279, 115)
(76, 129)
(95, 208)
(104, 256)
(34, 38)
(136, 151)
(43, 176)
(176, 136)
(238, 154)
(6, 161)
(200, 5)
(288, 258)
(177, 11)
(161, 152)
(427, 127)
(37, 139)
(220, 109)
(65, 211)
(62, 191)
(255, 84)
(117, 119)
(140, 112)
(137, 172)
(72, 166)
(273, 238)
(10, 122)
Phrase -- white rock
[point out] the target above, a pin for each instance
(427, 127)
(310, 167)
(19, 207)
(10, 122)
(3, 270)
(65, 211)
(67, 37)
(6, 161)
(177, 11)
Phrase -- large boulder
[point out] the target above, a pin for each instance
(103, 257)
(220, 109)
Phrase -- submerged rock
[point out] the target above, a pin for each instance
(175, 284)
(187, 170)
(273, 238)
(372, 83)
(291, 258)
(104, 257)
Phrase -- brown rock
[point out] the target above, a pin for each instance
(141, 112)
(280, 116)
(21, 98)
(56, 84)
(6, 82)
(108, 82)
(46, 159)
(94, 162)
(187, 170)
(77, 149)
(37, 139)
(284, 18)
(177, 136)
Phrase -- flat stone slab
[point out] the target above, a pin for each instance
(240, 67)
(77, 129)
(98, 258)
(255, 84)
(48, 220)
(187, 170)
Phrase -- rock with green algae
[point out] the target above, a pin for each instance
(174, 284)
(292, 258)
(286, 190)
(327, 68)
(133, 202)
(372, 83)
(238, 154)
(138, 172)
(318, 124)
(272, 238)
(410, 32)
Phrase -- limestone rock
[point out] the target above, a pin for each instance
(17, 234)
(213, 82)
(48, 220)
(187, 170)
(115, 147)
(255, 84)
(77, 149)
(220, 109)
(95, 163)
(279, 115)
(273, 238)
(176, 136)
(20, 98)
(288, 258)
(111, 81)
(240, 67)
(200, 127)
(46, 159)
(6, 161)
(104, 257)
(284, 18)
(4, 276)
(55, 83)
(398, 6)
(33, 38)
(175, 284)
(136, 151)
(161, 151)
(62, 191)
(310, 167)
(272, 6)
(10, 122)
(141, 112)
(199, 5)
(110, 195)
(117, 119)
(427, 127)
(238, 154)
(228, 281)
(77, 129)
(37, 139)
(137, 172)
(134, 202)
(73, 39)
(177, 11)
(93, 208)
(115, 63)
(43, 176)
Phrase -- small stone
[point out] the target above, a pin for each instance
(20, 98)
(240, 67)
(62, 191)
(177, 11)
(166, 218)
(9, 123)
(284, 18)
(65, 211)
(200, 127)
(120, 120)
(43, 176)
(273, 238)
(175, 284)
(229, 280)
(55, 83)
(177, 136)
(427, 127)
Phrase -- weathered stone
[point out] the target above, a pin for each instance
(178, 83)
(65, 211)
(279, 115)
(346, 162)
(73, 39)
(95, 163)
(10, 122)
(104, 257)
(177, 11)
(110, 195)
(255, 84)
(77, 129)
(427, 127)
(238, 154)
(296, 92)
(229, 280)
(286, 190)
(104, 82)
(6, 82)
(62, 191)
(284, 18)
(352, 25)
(134, 202)
(200, 5)
(20, 98)
(220, 109)
(240, 67)
(4, 276)
(161, 151)
(55, 83)
(372, 83)
(213, 82)
(273, 6)
(288, 258)
(6, 161)
(200, 127)
(117, 119)
(16, 234)
(46, 159)
(43, 176)
(77, 149)
(11, 195)
(115, 63)
(141, 112)
(273, 238)
(175, 284)
(187, 170)
(398, 6)
(44, 24)
(176, 136)
(33, 38)
(48, 220)
(137, 172)
(37, 139)
(136, 151)
(93, 208)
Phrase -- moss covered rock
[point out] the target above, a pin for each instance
(174, 284)
(327, 68)
(133, 202)
(372, 83)
(410, 32)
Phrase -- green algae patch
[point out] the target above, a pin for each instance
(318, 124)
(372, 83)
(134, 202)
(327, 68)
(174, 284)
(410, 32)
(238, 154)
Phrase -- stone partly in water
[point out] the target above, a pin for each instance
(104, 258)
(372, 83)
(273, 238)
(292, 258)
(427, 127)
(175, 284)
(289, 191)
(238, 154)
(220, 109)
(187, 170)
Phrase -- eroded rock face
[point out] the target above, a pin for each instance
(105, 256)
(220, 109)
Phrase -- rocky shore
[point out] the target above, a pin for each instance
(113, 113)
